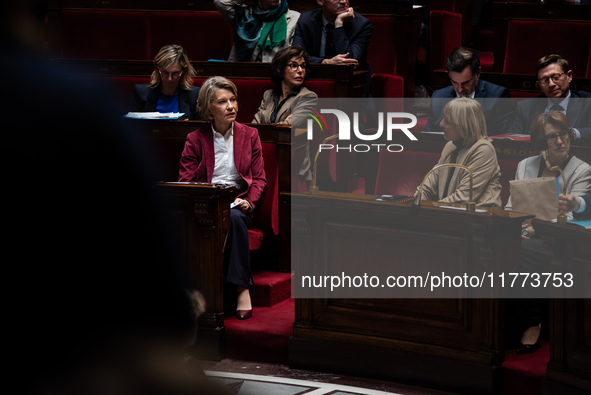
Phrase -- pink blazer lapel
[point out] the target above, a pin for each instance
(238, 146)
(208, 152)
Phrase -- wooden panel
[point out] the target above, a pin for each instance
(412, 340)
(200, 220)
(569, 368)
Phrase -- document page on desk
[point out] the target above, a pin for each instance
(154, 115)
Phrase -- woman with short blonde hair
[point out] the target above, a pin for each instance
(207, 93)
(229, 153)
(464, 128)
(468, 117)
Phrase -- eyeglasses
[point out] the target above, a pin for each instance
(555, 78)
(173, 75)
(293, 66)
(564, 136)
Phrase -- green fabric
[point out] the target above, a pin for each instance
(273, 33)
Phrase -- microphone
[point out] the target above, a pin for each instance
(313, 188)
(416, 204)
(561, 218)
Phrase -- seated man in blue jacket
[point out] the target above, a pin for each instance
(554, 77)
(335, 34)
(463, 70)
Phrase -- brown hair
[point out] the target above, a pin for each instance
(281, 59)
(554, 118)
(551, 59)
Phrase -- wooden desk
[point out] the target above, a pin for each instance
(452, 344)
(569, 368)
(200, 219)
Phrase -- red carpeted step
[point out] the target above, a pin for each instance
(262, 338)
(523, 374)
(270, 288)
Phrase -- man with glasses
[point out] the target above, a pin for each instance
(554, 78)
(335, 34)
(463, 70)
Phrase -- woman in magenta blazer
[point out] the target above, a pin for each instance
(228, 153)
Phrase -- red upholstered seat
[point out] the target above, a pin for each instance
(322, 88)
(266, 215)
(104, 35)
(446, 34)
(400, 173)
(571, 40)
(255, 239)
(267, 210)
(193, 31)
(380, 53)
(388, 86)
(250, 94)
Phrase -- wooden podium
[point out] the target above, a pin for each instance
(454, 344)
(199, 215)
(569, 368)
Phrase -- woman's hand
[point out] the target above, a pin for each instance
(242, 205)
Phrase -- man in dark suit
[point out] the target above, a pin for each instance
(335, 34)
(579, 205)
(463, 70)
(554, 78)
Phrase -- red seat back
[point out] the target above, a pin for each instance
(192, 31)
(380, 52)
(266, 216)
(388, 86)
(104, 35)
(446, 34)
(528, 41)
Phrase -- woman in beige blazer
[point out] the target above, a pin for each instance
(289, 102)
(464, 128)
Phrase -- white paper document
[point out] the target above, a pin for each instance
(478, 210)
(154, 115)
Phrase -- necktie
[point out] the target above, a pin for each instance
(329, 51)
(557, 107)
